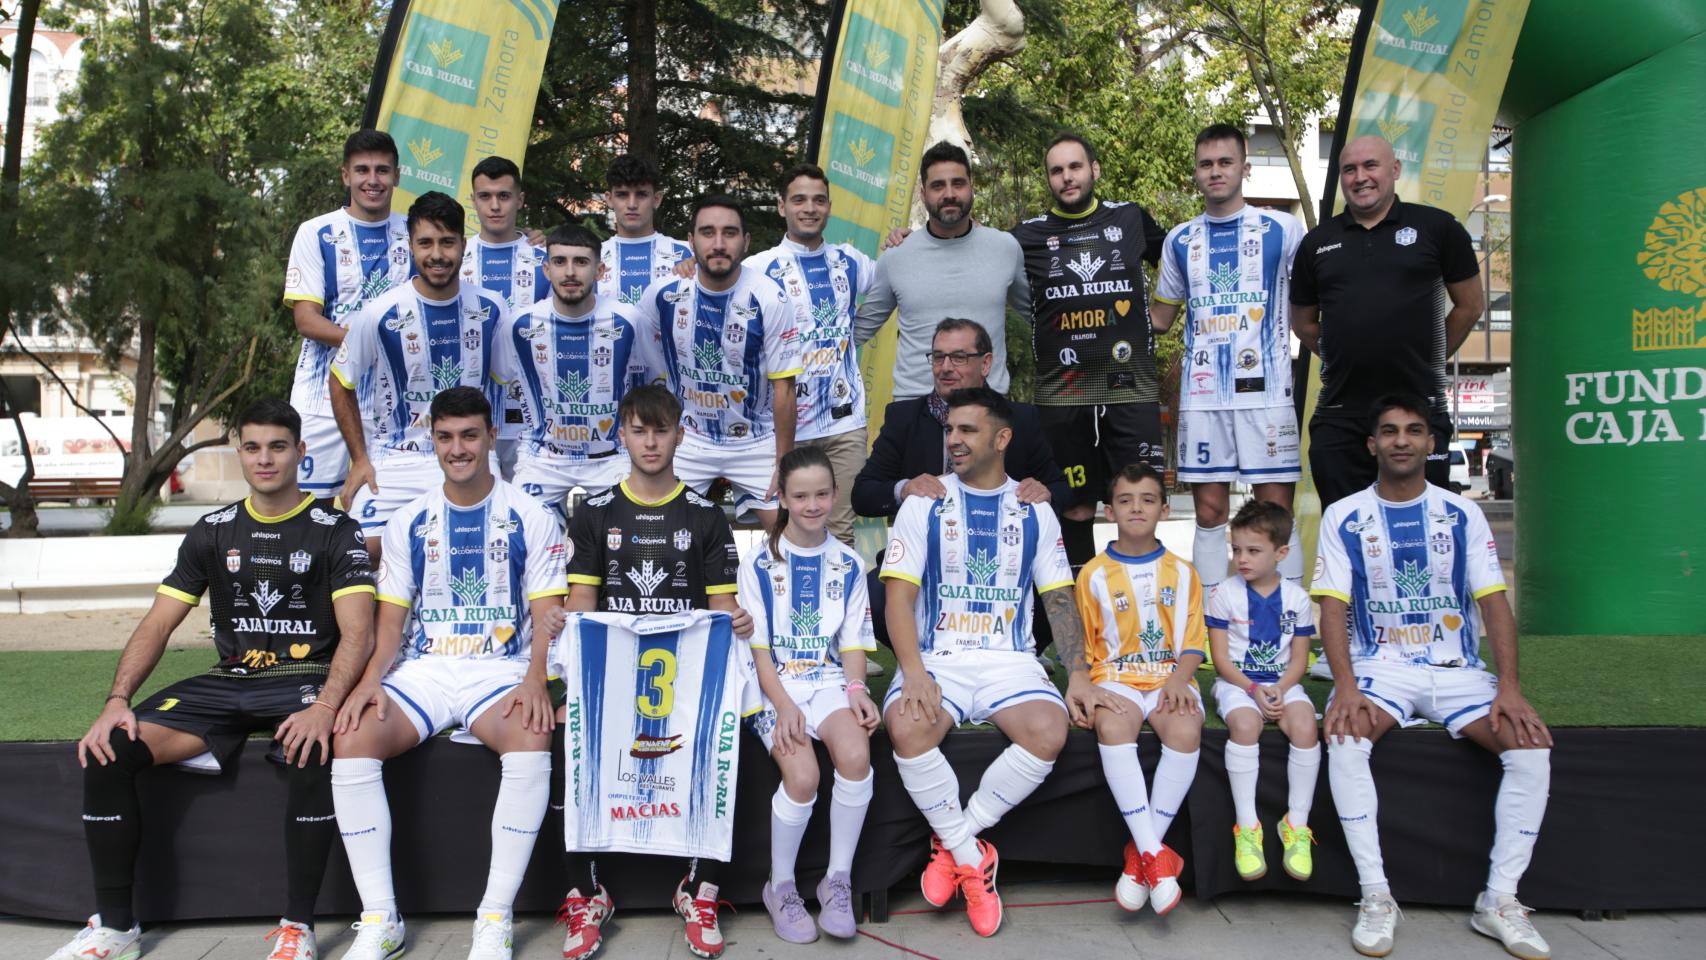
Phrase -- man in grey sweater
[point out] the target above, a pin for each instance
(951, 268)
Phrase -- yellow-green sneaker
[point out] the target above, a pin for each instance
(1299, 861)
(1247, 852)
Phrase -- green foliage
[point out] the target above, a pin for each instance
(131, 519)
(734, 106)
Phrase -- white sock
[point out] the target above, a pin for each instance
(788, 819)
(1208, 554)
(1173, 776)
(1243, 760)
(523, 794)
(1291, 567)
(1301, 769)
(1358, 805)
(1009, 779)
(1125, 778)
(1516, 816)
(849, 801)
(364, 819)
(935, 790)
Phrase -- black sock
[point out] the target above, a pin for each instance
(577, 867)
(310, 828)
(1080, 539)
(112, 827)
(703, 870)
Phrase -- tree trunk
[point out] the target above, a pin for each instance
(640, 22)
(18, 499)
(996, 34)
(1279, 113)
(138, 484)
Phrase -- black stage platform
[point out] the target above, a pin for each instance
(1619, 832)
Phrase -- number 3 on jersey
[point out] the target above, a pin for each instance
(658, 698)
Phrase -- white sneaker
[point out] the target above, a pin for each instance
(493, 937)
(292, 941)
(378, 936)
(1506, 920)
(1377, 921)
(95, 940)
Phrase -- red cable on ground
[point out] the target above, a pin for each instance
(891, 943)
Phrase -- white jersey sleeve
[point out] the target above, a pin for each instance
(1217, 611)
(1483, 571)
(748, 584)
(1170, 284)
(397, 567)
(547, 559)
(1050, 570)
(360, 349)
(305, 274)
(908, 549)
(856, 631)
(782, 346)
(1298, 600)
(1332, 562)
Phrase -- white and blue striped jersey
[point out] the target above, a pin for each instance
(1410, 574)
(516, 272)
(1260, 630)
(340, 263)
(808, 606)
(569, 375)
(467, 574)
(1231, 277)
(652, 720)
(975, 556)
(721, 350)
(629, 266)
(413, 348)
(824, 286)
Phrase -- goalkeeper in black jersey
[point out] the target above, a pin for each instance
(292, 615)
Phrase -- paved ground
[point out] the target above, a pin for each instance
(1059, 925)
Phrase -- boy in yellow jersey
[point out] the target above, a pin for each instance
(1145, 637)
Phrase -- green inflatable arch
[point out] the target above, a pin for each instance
(1608, 102)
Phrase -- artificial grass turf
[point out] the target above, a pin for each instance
(1573, 681)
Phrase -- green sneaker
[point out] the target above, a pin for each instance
(1299, 861)
(1247, 852)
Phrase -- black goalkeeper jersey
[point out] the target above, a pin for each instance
(662, 557)
(272, 581)
(1089, 309)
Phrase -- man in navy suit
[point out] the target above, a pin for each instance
(910, 455)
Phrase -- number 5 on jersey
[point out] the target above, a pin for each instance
(657, 697)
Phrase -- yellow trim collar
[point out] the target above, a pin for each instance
(307, 498)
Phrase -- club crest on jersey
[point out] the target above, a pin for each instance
(299, 561)
(498, 550)
(602, 357)
(1441, 543)
(1113, 234)
(471, 339)
(1010, 536)
(1371, 546)
(1405, 236)
(1166, 596)
(1250, 248)
(233, 560)
(1053, 243)
(683, 539)
(613, 538)
(399, 257)
(833, 589)
(412, 342)
(950, 529)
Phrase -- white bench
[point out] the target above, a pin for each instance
(53, 574)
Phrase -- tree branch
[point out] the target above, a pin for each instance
(201, 412)
(69, 394)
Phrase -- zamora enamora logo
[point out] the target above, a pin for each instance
(1673, 254)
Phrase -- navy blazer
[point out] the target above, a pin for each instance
(910, 443)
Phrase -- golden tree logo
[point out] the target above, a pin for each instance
(446, 53)
(876, 54)
(862, 151)
(1420, 21)
(424, 153)
(1392, 128)
(1674, 254)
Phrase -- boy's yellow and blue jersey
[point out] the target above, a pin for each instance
(1411, 574)
(1141, 614)
(975, 556)
(467, 574)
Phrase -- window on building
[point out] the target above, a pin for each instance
(1325, 141)
(23, 395)
(1265, 147)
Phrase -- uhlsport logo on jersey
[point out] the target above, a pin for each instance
(431, 155)
(1419, 36)
(444, 59)
(862, 158)
(874, 59)
(1405, 121)
(1671, 257)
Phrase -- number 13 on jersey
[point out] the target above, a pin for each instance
(656, 684)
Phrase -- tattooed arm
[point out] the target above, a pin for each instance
(1082, 696)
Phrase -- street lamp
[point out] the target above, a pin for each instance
(1486, 304)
